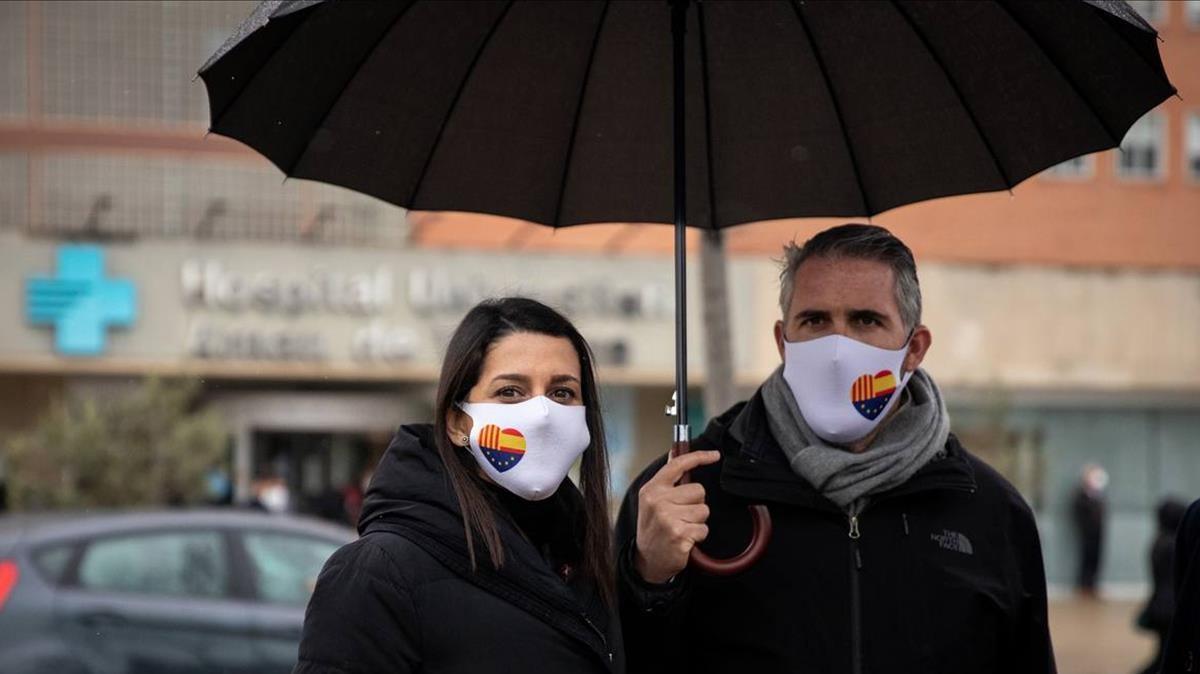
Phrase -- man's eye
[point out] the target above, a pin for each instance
(812, 321)
(868, 320)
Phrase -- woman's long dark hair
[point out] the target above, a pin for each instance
(483, 326)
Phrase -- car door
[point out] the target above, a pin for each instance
(150, 602)
(283, 569)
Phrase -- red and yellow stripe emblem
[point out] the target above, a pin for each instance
(508, 440)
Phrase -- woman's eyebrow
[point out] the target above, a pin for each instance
(511, 377)
(558, 378)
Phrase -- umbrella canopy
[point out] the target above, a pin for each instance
(567, 113)
(560, 112)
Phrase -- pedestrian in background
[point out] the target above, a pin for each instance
(1089, 510)
(1156, 616)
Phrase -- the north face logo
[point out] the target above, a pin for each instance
(953, 541)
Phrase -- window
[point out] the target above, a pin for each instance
(1193, 146)
(13, 66)
(286, 566)
(1143, 151)
(1079, 168)
(189, 564)
(52, 561)
(1153, 11)
(1191, 10)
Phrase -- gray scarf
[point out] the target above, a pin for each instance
(915, 434)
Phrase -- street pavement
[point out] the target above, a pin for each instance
(1095, 636)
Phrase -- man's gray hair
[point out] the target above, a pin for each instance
(862, 242)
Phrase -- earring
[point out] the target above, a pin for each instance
(466, 440)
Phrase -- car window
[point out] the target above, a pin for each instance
(190, 564)
(286, 565)
(52, 561)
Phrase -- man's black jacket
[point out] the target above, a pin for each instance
(1183, 646)
(946, 575)
(403, 597)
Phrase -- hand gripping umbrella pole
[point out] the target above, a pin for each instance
(681, 440)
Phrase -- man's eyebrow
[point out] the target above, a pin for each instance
(868, 313)
(811, 313)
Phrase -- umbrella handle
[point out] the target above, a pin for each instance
(759, 537)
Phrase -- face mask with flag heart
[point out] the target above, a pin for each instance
(527, 447)
(842, 386)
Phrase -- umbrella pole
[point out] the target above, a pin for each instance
(682, 434)
(681, 443)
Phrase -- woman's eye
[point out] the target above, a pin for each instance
(563, 394)
(508, 392)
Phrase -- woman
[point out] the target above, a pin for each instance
(477, 554)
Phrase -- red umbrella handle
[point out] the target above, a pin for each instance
(759, 537)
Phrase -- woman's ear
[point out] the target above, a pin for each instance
(458, 427)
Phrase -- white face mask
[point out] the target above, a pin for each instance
(527, 447)
(843, 387)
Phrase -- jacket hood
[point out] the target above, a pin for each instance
(410, 483)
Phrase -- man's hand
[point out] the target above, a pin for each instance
(671, 518)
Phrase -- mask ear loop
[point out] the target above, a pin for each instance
(907, 343)
(466, 439)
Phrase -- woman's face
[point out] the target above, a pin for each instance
(521, 366)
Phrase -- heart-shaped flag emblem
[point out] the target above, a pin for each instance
(502, 447)
(870, 394)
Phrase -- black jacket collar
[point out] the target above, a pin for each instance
(755, 467)
(410, 494)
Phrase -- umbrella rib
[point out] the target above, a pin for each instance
(212, 122)
(708, 136)
(587, 76)
(346, 85)
(462, 85)
(1121, 36)
(837, 108)
(962, 100)
(1112, 137)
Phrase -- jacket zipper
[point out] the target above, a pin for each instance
(599, 633)
(855, 598)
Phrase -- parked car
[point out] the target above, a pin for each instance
(157, 592)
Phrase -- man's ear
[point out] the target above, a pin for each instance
(779, 338)
(918, 346)
(458, 426)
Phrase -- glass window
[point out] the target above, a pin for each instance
(13, 67)
(1153, 11)
(52, 561)
(14, 190)
(1079, 168)
(189, 564)
(1193, 146)
(286, 565)
(131, 61)
(1143, 151)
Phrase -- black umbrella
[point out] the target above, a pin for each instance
(558, 112)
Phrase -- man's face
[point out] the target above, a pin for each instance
(851, 297)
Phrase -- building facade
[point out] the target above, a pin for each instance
(1066, 317)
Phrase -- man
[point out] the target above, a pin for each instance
(894, 550)
(1088, 508)
(1183, 645)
